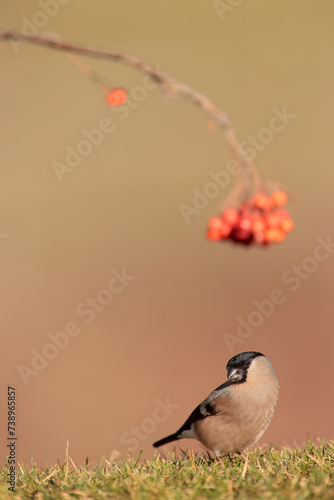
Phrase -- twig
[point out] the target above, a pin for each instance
(170, 87)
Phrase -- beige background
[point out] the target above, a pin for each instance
(162, 336)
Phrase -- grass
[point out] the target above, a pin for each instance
(296, 473)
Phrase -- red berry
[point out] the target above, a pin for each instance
(213, 234)
(273, 219)
(117, 97)
(274, 235)
(231, 216)
(258, 225)
(279, 198)
(262, 201)
(225, 230)
(259, 237)
(240, 235)
(215, 222)
(245, 222)
(218, 229)
(287, 225)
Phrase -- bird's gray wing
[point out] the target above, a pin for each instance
(207, 408)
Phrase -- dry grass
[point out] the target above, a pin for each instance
(288, 474)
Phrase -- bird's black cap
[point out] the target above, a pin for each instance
(242, 358)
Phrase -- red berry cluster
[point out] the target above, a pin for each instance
(260, 220)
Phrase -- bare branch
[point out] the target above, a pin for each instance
(170, 87)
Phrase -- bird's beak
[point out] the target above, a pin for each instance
(235, 374)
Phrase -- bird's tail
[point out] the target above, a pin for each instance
(168, 439)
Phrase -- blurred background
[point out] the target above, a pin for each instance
(119, 369)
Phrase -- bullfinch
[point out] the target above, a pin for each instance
(236, 414)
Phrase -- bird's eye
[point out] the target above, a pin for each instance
(246, 363)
